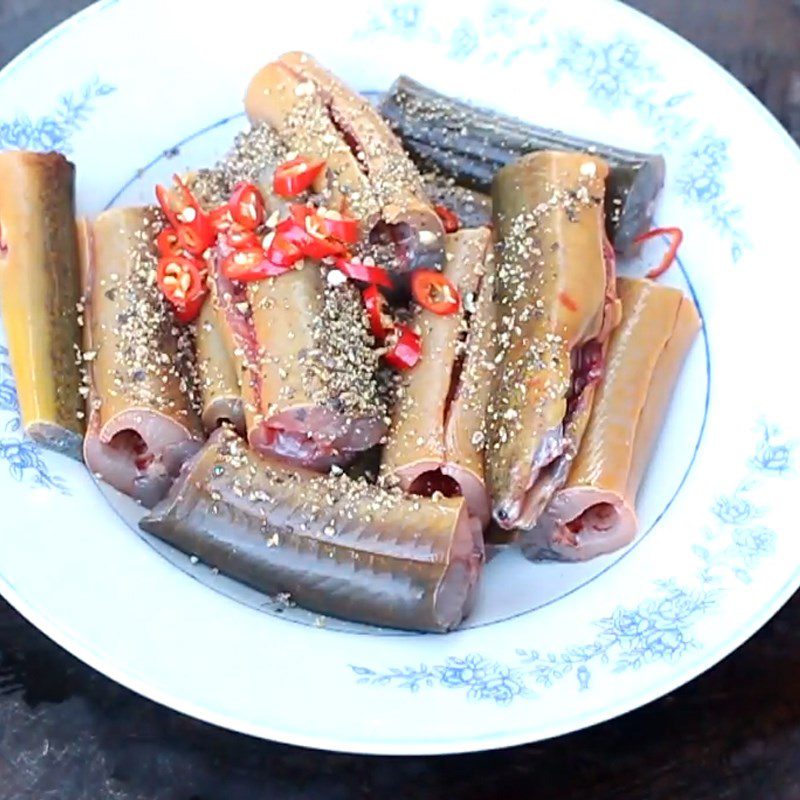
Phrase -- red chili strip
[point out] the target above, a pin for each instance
(676, 237)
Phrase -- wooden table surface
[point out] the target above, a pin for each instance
(68, 733)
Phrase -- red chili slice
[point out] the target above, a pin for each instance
(676, 237)
(182, 281)
(282, 251)
(302, 229)
(322, 248)
(406, 350)
(337, 226)
(192, 224)
(189, 310)
(164, 200)
(247, 206)
(367, 273)
(185, 202)
(240, 238)
(299, 212)
(193, 240)
(294, 177)
(450, 220)
(251, 264)
(291, 231)
(380, 321)
(167, 242)
(221, 218)
(434, 291)
(268, 269)
(178, 276)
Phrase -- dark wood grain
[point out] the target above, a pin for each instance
(68, 733)
(756, 40)
(24, 21)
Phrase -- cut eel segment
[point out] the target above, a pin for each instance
(216, 372)
(336, 546)
(471, 144)
(436, 438)
(594, 513)
(369, 175)
(305, 361)
(319, 401)
(306, 364)
(142, 422)
(556, 308)
(40, 293)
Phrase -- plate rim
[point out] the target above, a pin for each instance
(470, 744)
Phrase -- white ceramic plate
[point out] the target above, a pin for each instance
(135, 90)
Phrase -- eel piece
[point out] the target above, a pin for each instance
(471, 144)
(436, 439)
(319, 400)
(556, 309)
(335, 545)
(216, 372)
(143, 415)
(40, 295)
(304, 358)
(594, 513)
(369, 174)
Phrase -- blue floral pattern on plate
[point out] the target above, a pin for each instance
(21, 455)
(55, 131)
(659, 629)
(481, 678)
(8, 392)
(614, 74)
